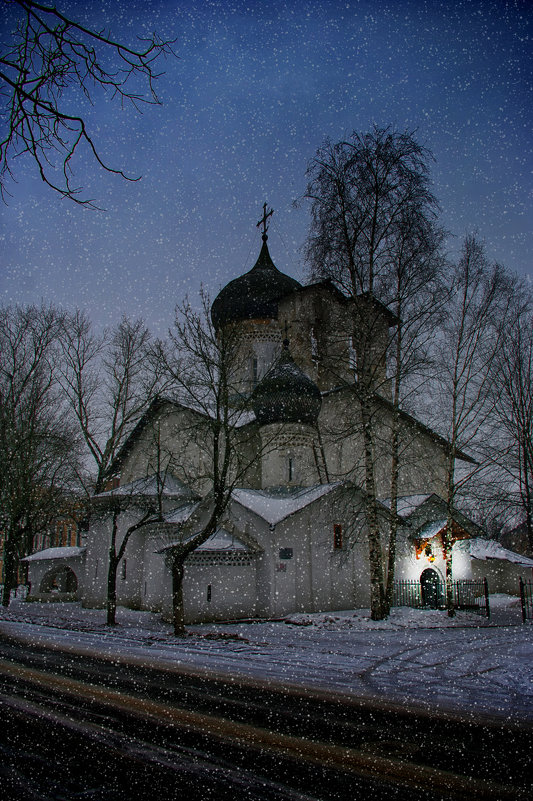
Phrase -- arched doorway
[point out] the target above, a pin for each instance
(431, 587)
(59, 580)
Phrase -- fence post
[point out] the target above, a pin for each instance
(522, 599)
(486, 591)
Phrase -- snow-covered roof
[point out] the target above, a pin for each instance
(275, 505)
(182, 514)
(222, 540)
(431, 529)
(407, 503)
(55, 553)
(490, 549)
(150, 486)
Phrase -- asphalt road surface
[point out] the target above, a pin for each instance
(78, 727)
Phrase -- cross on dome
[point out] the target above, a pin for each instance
(263, 221)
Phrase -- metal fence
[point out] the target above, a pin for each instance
(526, 599)
(468, 594)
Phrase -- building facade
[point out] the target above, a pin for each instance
(293, 535)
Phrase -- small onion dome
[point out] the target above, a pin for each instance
(254, 295)
(286, 394)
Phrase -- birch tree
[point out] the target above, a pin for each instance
(372, 223)
(476, 316)
(415, 290)
(513, 385)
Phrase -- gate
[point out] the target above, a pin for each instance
(472, 595)
(526, 599)
(468, 594)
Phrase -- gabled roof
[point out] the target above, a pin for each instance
(406, 504)
(136, 432)
(55, 553)
(273, 506)
(245, 418)
(325, 285)
(431, 514)
(484, 549)
(222, 540)
(150, 486)
(181, 514)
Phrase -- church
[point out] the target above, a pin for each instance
(292, 537)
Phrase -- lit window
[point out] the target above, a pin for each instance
(337, 536)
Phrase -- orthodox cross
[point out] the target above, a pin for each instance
(263, 220)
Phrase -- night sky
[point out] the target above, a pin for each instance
(257, 88)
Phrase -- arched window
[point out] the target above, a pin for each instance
(290, 469)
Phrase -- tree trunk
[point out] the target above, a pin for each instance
(10, 569)
(449, 575)
(112, 590)
(178, 616)
(393, 530)
(448, 536)
(377, 594)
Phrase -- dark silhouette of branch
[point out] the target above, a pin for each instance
(52, 58)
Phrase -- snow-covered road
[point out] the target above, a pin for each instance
(417, 657)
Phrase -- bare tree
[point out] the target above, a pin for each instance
(39, 464)
(109, 382)
(202, 369)
(373, 234)
(476, 316)
(513, 385)
(414, 289)
(51, 59)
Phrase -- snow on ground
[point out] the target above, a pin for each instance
(416, 657)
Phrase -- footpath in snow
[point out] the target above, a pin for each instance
(419, 657)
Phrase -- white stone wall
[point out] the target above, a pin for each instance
(423, 458)
(130, 570)
(502, 576)
(289, 455)
(176, 437)
(39, 569)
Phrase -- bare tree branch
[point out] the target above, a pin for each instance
(51, 59)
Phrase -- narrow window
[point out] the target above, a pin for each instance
(314, 344)
(337, 536)
(352, 355)
(208, 593)
(291, 469)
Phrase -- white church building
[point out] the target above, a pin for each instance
(292, 537)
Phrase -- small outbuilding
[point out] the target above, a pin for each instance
(501, 567)
(56, 574)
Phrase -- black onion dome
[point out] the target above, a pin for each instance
(286, 394)
(254, 295)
